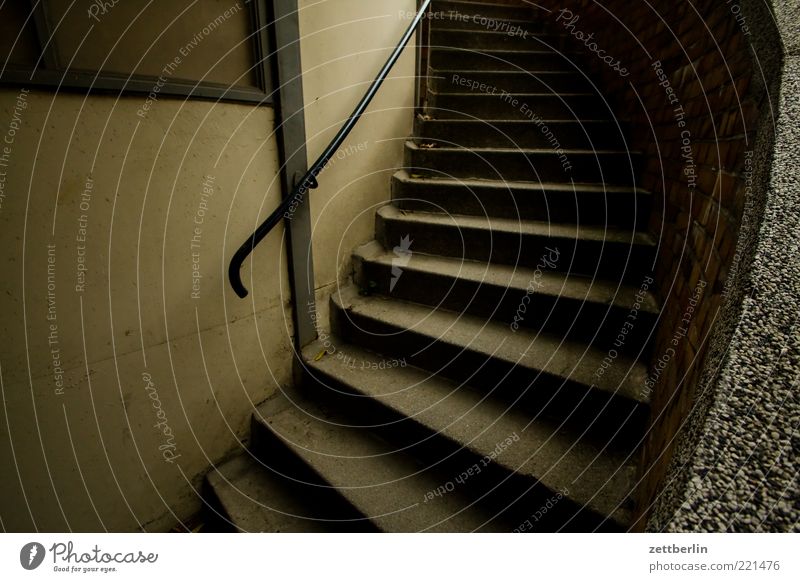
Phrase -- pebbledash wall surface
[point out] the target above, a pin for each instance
(736, 466)
(710, 91)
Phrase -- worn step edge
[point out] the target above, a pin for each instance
(517, 227)
(506, 185)
(558, 460)
(254, 499)
(538, 352)
(409, 144)
(552, 283)
(386, 486)
(520, 95)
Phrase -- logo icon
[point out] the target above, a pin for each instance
(402, 257)
(31, 555)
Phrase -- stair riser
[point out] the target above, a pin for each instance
(519, 134)
(275, 453)
(494, 485)
(581, 257)
(445, 21)
(576, 319)
(464, 11)
(545, 166)
(521, 107)
(531, 389)
(517, 38)
(484, 61)
(316, 509)
(447, 80)
(616, 209)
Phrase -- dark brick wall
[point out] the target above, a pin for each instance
(696, 168)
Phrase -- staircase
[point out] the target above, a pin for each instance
(475, 376)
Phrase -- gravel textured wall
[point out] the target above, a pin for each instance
(707, 97)
(739, 472)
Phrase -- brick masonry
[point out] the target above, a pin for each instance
(695, 96)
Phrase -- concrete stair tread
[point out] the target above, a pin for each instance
(411, 145)
(515, 278)
(478, 123)
(499, 51)
(387, 486)
(490, 32)
(470, 7)
(504, 185)
(256, 499)
(533, 77)
(477, 94)
(532, 73)
(477, 4)
(522, 227)
(438, 71)
(594, 474)
(527, 349)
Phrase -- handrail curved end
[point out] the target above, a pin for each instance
(235, 278)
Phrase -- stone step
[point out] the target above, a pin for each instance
(612, 167)
(503, 60)
(545, 369)
(475, 13)
(523, 134)
(450, 79)
(495, 105)
(584, 204)
(583, 250)
(595, 476)
(247, 495)
(386, 485)
(518, 36)
(575, 308)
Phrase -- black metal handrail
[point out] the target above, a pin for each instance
(309, 180)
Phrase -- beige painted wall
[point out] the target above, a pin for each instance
(87, 402)
(85, 452)
(344, 45)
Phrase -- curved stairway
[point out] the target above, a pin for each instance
(476, 376)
